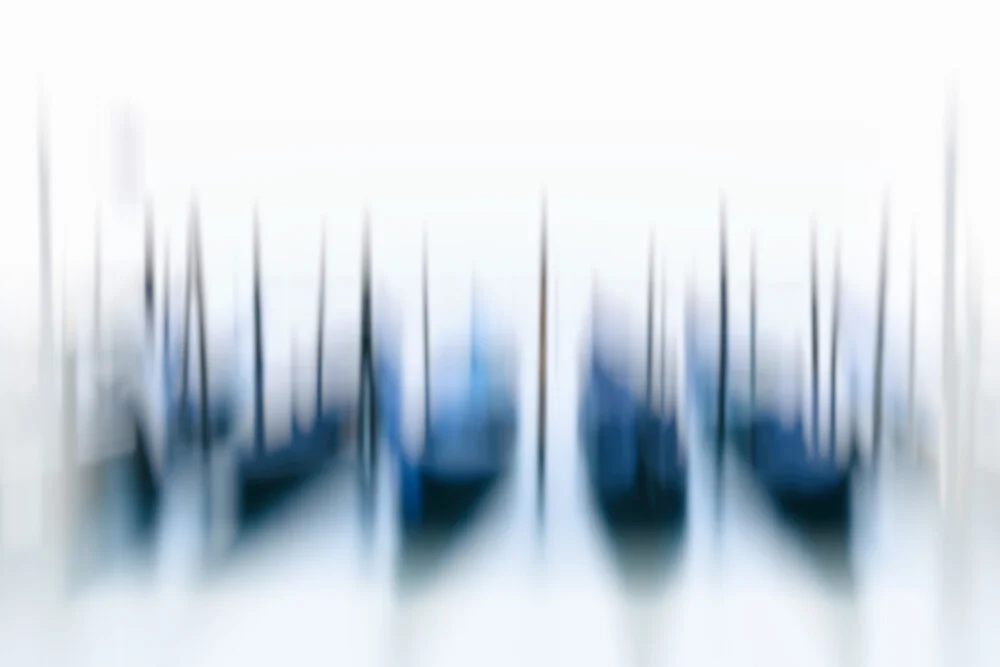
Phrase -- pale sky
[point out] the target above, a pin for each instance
(627, 114)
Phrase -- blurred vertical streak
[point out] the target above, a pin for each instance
(199, 287)
(542, 357)
(195, 280)
(321, 318)
(720, 435)
(651, 269)
(366, 379)
(753, 346)
(427, 338)
(366, 339)
(834, 349)
(947, 477)
(186, 335)
(650, 315)
(258, 344)
(814, 336)
(880, 334)
(663, 340)
(149, 272)
(44, 245)
(166, 297)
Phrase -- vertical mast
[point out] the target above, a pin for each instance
(320, 320)
(367, 377)
(258, 344)
(880, 335)
(426, 336)
(834, 349)
(663, 341)
(166, 307)
(723, 335)
(753, 346)
(814, 335)
(651, 268)
(543, 341)
(199, 287)
(186, 334)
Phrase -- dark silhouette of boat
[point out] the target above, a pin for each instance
(783, 455)
(467, 443)
(267, 473)
(632, 447)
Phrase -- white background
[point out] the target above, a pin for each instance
(625, 114)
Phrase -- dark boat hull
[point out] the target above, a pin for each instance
(632, 454)
(433, 489)
(267, 479)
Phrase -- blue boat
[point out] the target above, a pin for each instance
(804, 482)
(633, 448)
(267, 473)
(467, 444)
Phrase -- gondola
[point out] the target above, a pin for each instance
(632, 446)
(785, 455)
(266, 473)
(468, 441)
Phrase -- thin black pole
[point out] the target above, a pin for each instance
(258, 344)
(320, 320)
(166, 301)
(202, 341)
(880, 334)
(834, 349)
(186, 340)
(427, 345)
(368, 393)
(663, 341)
(753, 348)
(723, 341)
(814, 335)
(651, 268)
